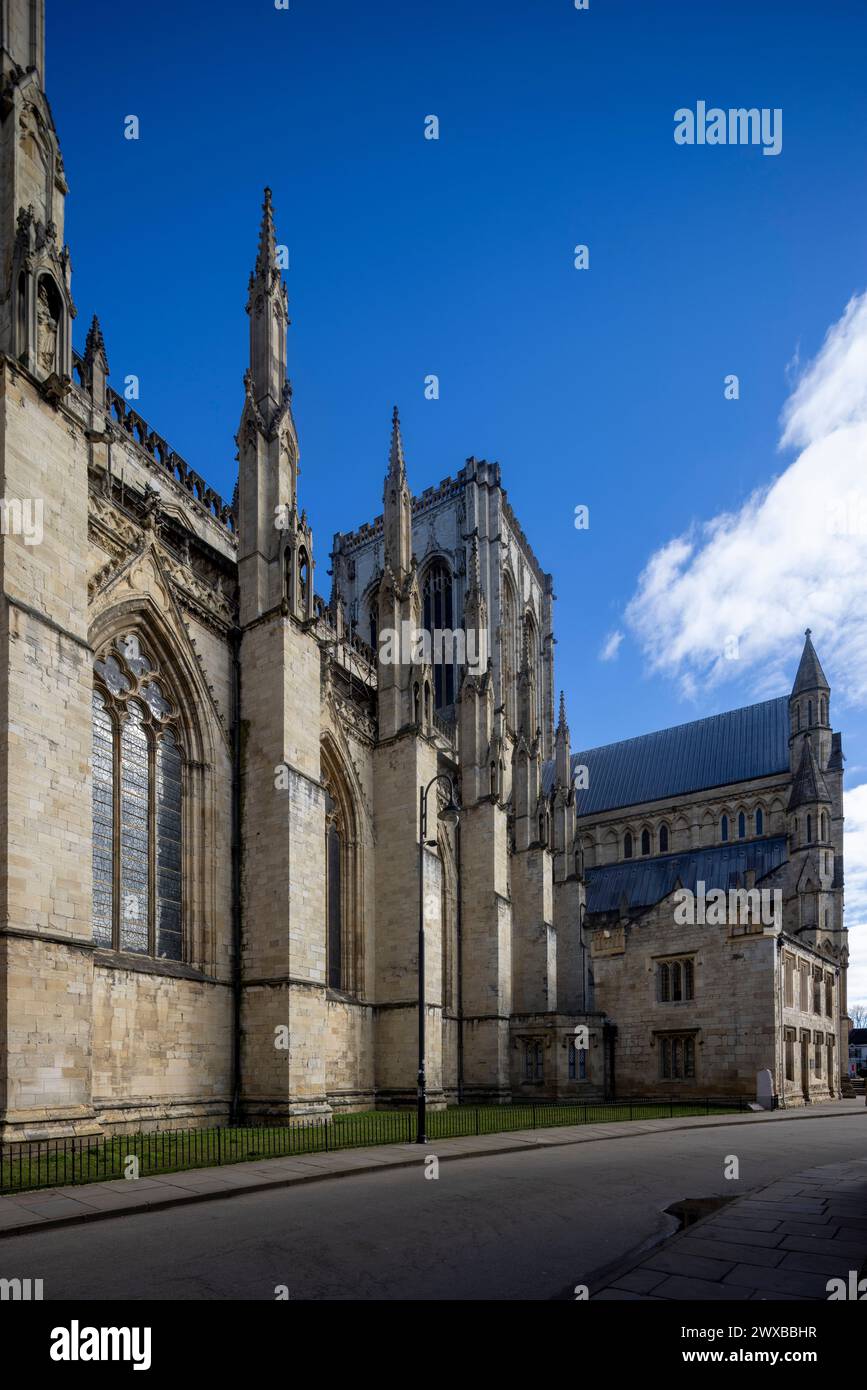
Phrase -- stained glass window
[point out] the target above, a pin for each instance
(137, 808)
(168, 816)
(134, 817)
(103, 821)
(113, 676)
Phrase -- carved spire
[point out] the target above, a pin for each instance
(268, 307)
(396, 462)
(266, 260)
(397, 507)
(94, 344)
(809, 786)
(562, 748)
(275, 544)
(810, 675)
(95, 363)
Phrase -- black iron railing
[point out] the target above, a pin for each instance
(97, 1158)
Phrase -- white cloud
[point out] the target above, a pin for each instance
(611, 646)
(855, 861)
(792, 554)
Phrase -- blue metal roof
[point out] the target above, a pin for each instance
(643, 882)
(731, 747)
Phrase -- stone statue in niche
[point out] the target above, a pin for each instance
(46, 331)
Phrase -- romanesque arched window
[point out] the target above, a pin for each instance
(439, 618)
(137, 806)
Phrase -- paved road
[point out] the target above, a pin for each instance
(518, 1226)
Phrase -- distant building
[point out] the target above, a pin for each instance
(858, 1052)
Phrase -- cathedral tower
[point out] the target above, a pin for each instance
(815, 819)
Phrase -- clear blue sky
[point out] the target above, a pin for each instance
(454, 257)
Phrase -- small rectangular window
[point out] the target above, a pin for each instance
(790, 982)
(677, 1057)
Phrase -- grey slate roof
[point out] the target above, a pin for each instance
(731, 747)
(643, 882)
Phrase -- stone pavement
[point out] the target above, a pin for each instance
(61, 1206)
(783, 1241)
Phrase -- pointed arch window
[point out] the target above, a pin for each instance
(742, 826)
(724, 828)
(334, 893)
(645, 842)
(760, 821)
(439, 617)
(663, 839)
(627, 845)
(303, 582)
(138, 777)
(344, 943)
(509, 651)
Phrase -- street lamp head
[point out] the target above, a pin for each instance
(450, 813)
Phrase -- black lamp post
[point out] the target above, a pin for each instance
(449, 816)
